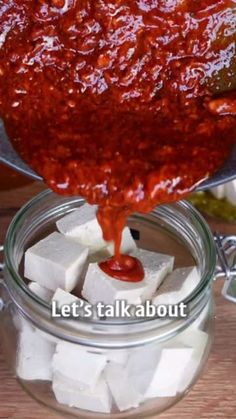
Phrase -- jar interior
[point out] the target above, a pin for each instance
(147, 233)
(170, 229)
(175, 230)
(42, 390)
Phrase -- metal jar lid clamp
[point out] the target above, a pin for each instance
(226, 264)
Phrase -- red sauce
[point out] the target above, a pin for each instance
(114, 100)
(124, 268)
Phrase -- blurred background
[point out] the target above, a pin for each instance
(10, 179)
(219, 202)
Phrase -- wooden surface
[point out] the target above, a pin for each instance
(213, 397)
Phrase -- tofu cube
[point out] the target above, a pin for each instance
(82, 226)
(70, 224)
(129, 381)
(230, 192)
(34, 355)
(99, 287)
(99, 256)
(218, 192)
(198, 341)
(41, 292)
(82, 368)
(96, 400)
(56, 262)
(156, 267)
(121, 386)
(127, 246)
(169, 372)
(141, 367)
(158, 372)
(178, 285)
(62, 297)
(150, 372)
(119, 356)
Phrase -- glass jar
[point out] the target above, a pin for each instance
(144, 366)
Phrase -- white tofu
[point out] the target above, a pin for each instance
(177, 286)
(156, 267)
(56, 262)
(218, 192)
(82, 368)
(48, 337)
(123, 391)
(97, 400)
(169, 372)
(122, 378)
(99, 256)
(119, 356)
(34, 355)
(82, 226)
(158, 373)
(198, 340)
(230, 192)
(70, 224)
(62, 297)
(41, 292)
(127, 246)
(99, 287)
(141, 367)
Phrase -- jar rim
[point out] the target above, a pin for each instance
(19, 285)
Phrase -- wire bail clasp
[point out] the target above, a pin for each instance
(1, 263)
(2, 304)
(226, 266)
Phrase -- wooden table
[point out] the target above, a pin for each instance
(213, 397)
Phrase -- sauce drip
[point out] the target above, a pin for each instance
(129, 104)
(125, 268)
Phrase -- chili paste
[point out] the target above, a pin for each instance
(129, 103)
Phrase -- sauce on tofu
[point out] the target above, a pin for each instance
(128, 103)
(124, 267)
